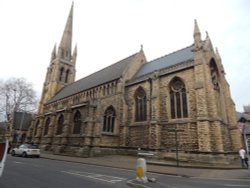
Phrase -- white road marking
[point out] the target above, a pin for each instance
(227, 179)
(233, 185)
(101, 177)
(18, 162)
(133, 183)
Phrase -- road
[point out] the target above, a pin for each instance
(40, 173)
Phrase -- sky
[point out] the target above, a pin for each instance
(106, 32)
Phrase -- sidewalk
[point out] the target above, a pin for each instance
(166, 167)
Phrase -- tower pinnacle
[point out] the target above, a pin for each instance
(197, 35)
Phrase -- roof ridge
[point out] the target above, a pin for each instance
(172, 53)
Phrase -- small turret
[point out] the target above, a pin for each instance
(208, 44)
(197, 36)
(219, 60)
(217, 53)
(74, 55)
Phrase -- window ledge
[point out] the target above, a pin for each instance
(109, 134)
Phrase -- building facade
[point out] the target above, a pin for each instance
(135, 103)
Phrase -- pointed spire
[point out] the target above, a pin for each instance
(208, 44)
(217, 53)
(207, 40)
(141, 47)
(197, 35)
(53, 53)
(74, 55)
(66, 41)
(207, 36)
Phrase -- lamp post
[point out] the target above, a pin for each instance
(20, 127)
(176, 130)
(246, 144)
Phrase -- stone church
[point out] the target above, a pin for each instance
(180, 101)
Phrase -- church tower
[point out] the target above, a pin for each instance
(61, 71)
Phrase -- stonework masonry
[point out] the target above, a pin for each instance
(139, 104)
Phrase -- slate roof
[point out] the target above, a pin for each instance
(247, 130)
(246, 117)
(242, 115)
(115, 71)
(174, 58)
(105, 75)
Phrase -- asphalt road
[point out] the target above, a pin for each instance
(41, 173)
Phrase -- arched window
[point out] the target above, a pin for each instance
(178, 99)
(67, 76)
(60, 125)
(77, 123)
(61, 74)
(140, 105)
(36, 127)
(46, 127)
(109, 120)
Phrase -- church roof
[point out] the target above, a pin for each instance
(105, 75)
(115, 71)
(166, 61)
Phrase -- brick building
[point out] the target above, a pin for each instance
(135, 103)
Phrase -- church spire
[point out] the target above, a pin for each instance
(61, 71)
(66, 41)
(197, 35)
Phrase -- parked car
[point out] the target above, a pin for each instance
(26, 150)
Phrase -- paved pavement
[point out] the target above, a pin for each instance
(164, 167)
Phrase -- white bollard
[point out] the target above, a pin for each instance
(141, 170)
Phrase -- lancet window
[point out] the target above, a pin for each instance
(140, 105)
(178, 99)
(109, 120)
(77, 122)
(60, 125)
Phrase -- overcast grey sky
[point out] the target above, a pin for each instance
(111, 30)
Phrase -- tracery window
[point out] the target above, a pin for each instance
(60, 125)
(109, 120)
(77, 123)
(178, 99)
(46, 127)
(140, 105)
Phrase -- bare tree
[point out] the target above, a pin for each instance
(17, 95)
